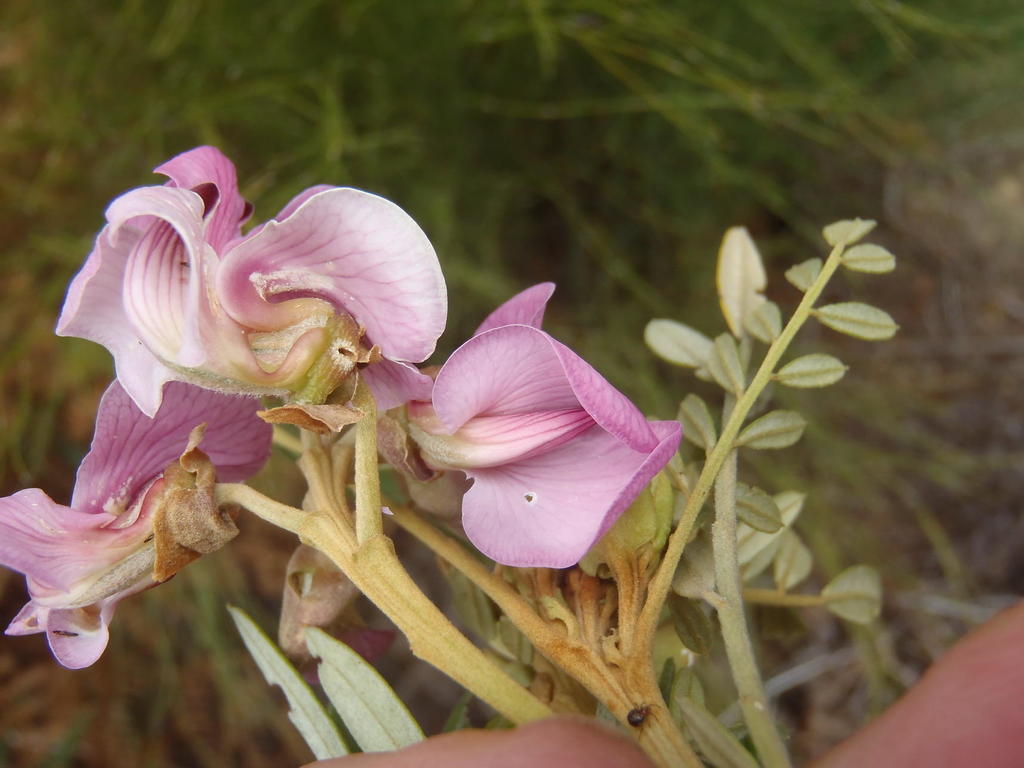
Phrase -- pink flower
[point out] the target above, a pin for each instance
(555, 452)
(175, 292)
(81, 560)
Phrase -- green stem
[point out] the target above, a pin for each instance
(367, 476)
(771, 597)
(738, 647)
(662, 581)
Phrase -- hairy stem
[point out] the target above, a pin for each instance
(368, 509)
(738, 648)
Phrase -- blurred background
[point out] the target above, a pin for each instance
(602, 144)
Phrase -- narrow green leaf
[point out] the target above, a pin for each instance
(717, 743)
(792, 562)
(855, 594)
(692, 623)
(754, 549)
(765, 322)
(306, 712)
(725, 366)
(810, 371)
(847, 231)
(740, 277)
(677, 343)
(372, 712)
(695, 574)
(667, 678)
(473, 607)
(698, 426)
(869, 258)
(757, 509)
(856, 319)
(458, 718)
(804, 273)
(776, 429)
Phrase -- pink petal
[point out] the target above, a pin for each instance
(360, 252)
(519, 369)
(394, 384)
(94, 310)
(129, 449)
(548, 510)
(525, 308)
(206, 171)
(78, 636)
(55, 546)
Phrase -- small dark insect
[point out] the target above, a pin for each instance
(64, 633)
(637, 716)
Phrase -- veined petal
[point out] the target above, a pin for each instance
(164, 277)
(78, 636)
(360, 252)
(94, 310)
(57, 547)
(394, 384)
(206, 171)
(508, 370)
(130, 449)
(490, 441)
(525, 308)
(548, 510)
(520, 369)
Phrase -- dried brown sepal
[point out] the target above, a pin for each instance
(398, 449)
(322, 419)
(187, 522)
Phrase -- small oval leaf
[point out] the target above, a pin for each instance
(754, 549)
(692, 623)
(855, 594)
(804, 273)
(792, 562)
(370, 710)
(698, 426)
(677, 343)
(869, 258)
(810, 371)
(757, 509)
(765, 322)
(856, 319)
(776, 429)
(741, 278)
(695, 574)
(847, 231)
(725, 365)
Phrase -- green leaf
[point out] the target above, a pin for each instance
(458, 718)
(754, 549)
(512, 643)
(677, 343)
(741, 278)
(792, 562)
(725, 366)
(856, 319)
(810, 371)
(765, 322)
(305, 711)
(855, 594)
(372, 712)
(667, 678)
(757, 509)
(869, 258)
(473, 607)
(698, 426)
(804, 273)
(717, 743)
(776, 429)
(847, 231)
(692, 623)
(695, 574)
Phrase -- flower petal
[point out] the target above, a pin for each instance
(130, 449)
(520, 369)
(358, 251)
(55, 546)
(394, 384)
(94, 310)
(548, 510)
(525, 308)
(78, 636)
(206, 171)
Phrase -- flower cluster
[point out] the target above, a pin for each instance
(200, 318)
